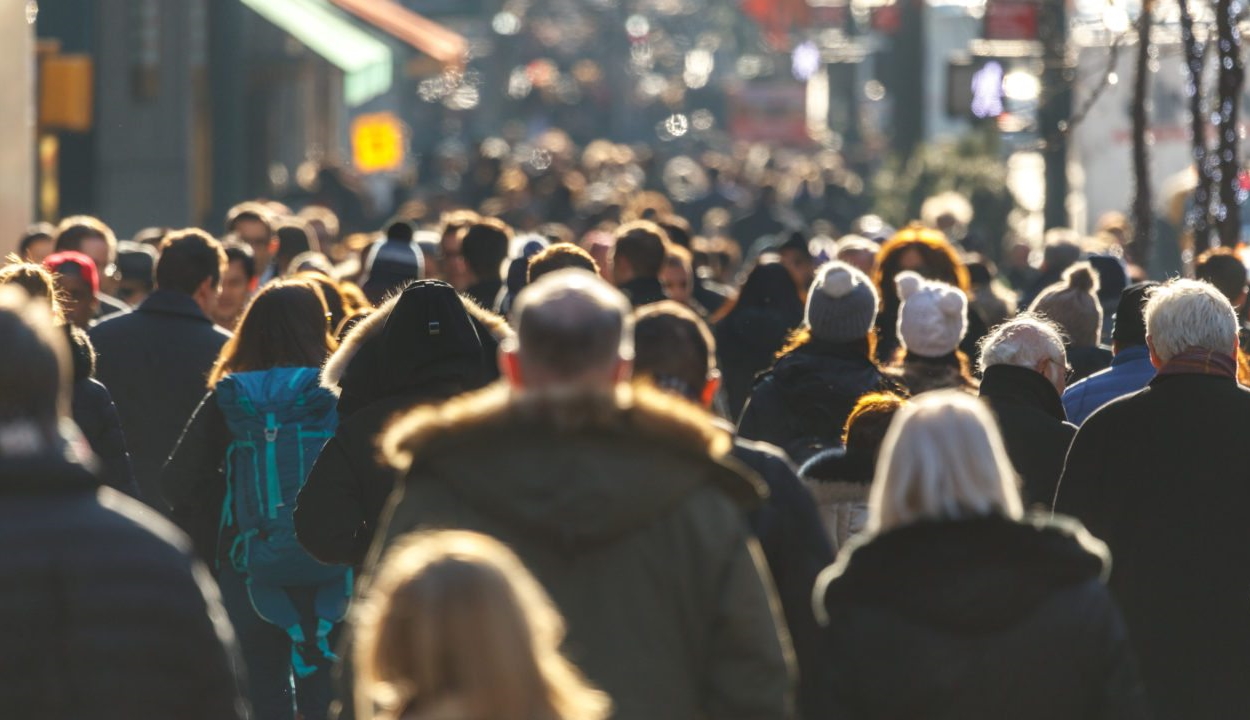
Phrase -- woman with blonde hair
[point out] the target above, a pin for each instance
(455, 628)
(954, 604)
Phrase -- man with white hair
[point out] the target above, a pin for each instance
(624, 502)
(1161, 477)
(1024, 372)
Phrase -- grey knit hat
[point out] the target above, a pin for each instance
(842, 304)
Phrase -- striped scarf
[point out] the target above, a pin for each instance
(1200, 361)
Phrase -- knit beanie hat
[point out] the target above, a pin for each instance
(842, 304)
(392, 262)
(933, 317)
(1072, 303)
(1130, 315)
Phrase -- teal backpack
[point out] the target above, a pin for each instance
(279, 420)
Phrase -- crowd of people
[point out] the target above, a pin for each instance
(642, 469)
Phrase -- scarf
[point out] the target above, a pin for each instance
(1200, 361)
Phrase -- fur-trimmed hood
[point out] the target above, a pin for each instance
(576, 464)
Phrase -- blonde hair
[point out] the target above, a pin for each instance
(454, 620)
(942, 458)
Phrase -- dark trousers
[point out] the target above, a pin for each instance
(273, 689)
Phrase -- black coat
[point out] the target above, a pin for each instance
(1161, 476)
(801, 405)
(644, 291)
(747, 343)
(103, 611)
(155, 362)
(96, 416)
(1034, 427)
(979, 618)
(193, 482)
(796, 549)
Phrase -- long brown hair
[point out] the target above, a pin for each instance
(941, 262)
(285, 325)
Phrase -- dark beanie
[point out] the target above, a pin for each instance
(1130, 317)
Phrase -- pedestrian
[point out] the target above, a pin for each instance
(619, 499)
(78, 285)
(238, 282)
(428, 351)
(754, 329)
(91, 237)
(840, 477)
(638, 260)
(484, 246)
(674, 350)
(802, 403)
(154, 360)
(1131, 369)
(1023, 375)
(1159, 476)
(455, 628)
(932, 322)
(243, 457)
(954, 604)
(104, 610)
(1073, 305)
(558, 257)
(391, 263)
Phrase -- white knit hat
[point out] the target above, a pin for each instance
(934, 316)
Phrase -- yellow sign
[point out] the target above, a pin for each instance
(378, 143)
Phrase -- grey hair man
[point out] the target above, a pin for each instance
(1161, 477)
(1024, 371)
(623, 501)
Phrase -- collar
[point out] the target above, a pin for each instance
(169, 302)
(1200, 361)
(1131, 354)
(1022, 386)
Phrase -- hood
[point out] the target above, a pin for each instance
(571, 466)
(429, 339)
(360, 373)
(971, 576)
(56, 471)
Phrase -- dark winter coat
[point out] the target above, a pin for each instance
(629, 511)
(796, 549)
(1034, 427)
(978, 618)
(96, 416)
(1161, 477)
(342, 501)
(103, 611)
(487, 293)
(644, 291)
(749, 337)
(801, 405)
(193, 482)
(155, 362)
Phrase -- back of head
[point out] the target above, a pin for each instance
(674, 348)
(560, 257)
(842, 304)
(33, 234)
(1112, 276)
(454, 618)
(770, 286)
(1023, 341)
(429, 339)
(136, 262)
(643, 245)
(392, 262)
(286, 324)
(484, 245)
(933, 318)
(188, 258)
(36, 281)
(1222, 268)
(1130, 315)
(1073, 305)
(249, 211)
(943, 458)
(571, 326)
(1185, 315)
(72, 231)
(295, 237)
(677, 229)
(34, 376)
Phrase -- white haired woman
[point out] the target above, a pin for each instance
(953, 604)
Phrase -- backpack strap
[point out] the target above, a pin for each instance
(273, 485)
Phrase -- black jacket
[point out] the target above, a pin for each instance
(796, 549)
(1034, 427)
(978, 618)
(1161, 476)
(487, 293)
(644, 291)
(747, 343)
(802, 404)
(103, 611)
(342, 501)
(155, 362)
(96, 416)
(193, 482)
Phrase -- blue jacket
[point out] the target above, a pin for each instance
(1130, 371)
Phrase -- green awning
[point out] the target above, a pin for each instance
(366, 62)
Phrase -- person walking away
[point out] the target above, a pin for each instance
(1073, 305)
(243, 457)
(1131, 369)
(932, 322)
(638, 260)
(104, 610)
(455, 627)
(954, 604)
(622, 501)
(1160, 477)
(754, 329)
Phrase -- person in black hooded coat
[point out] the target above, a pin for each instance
(96, 416)
(749, 337)
(802, 403)
(953, 604)
(423, 347)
